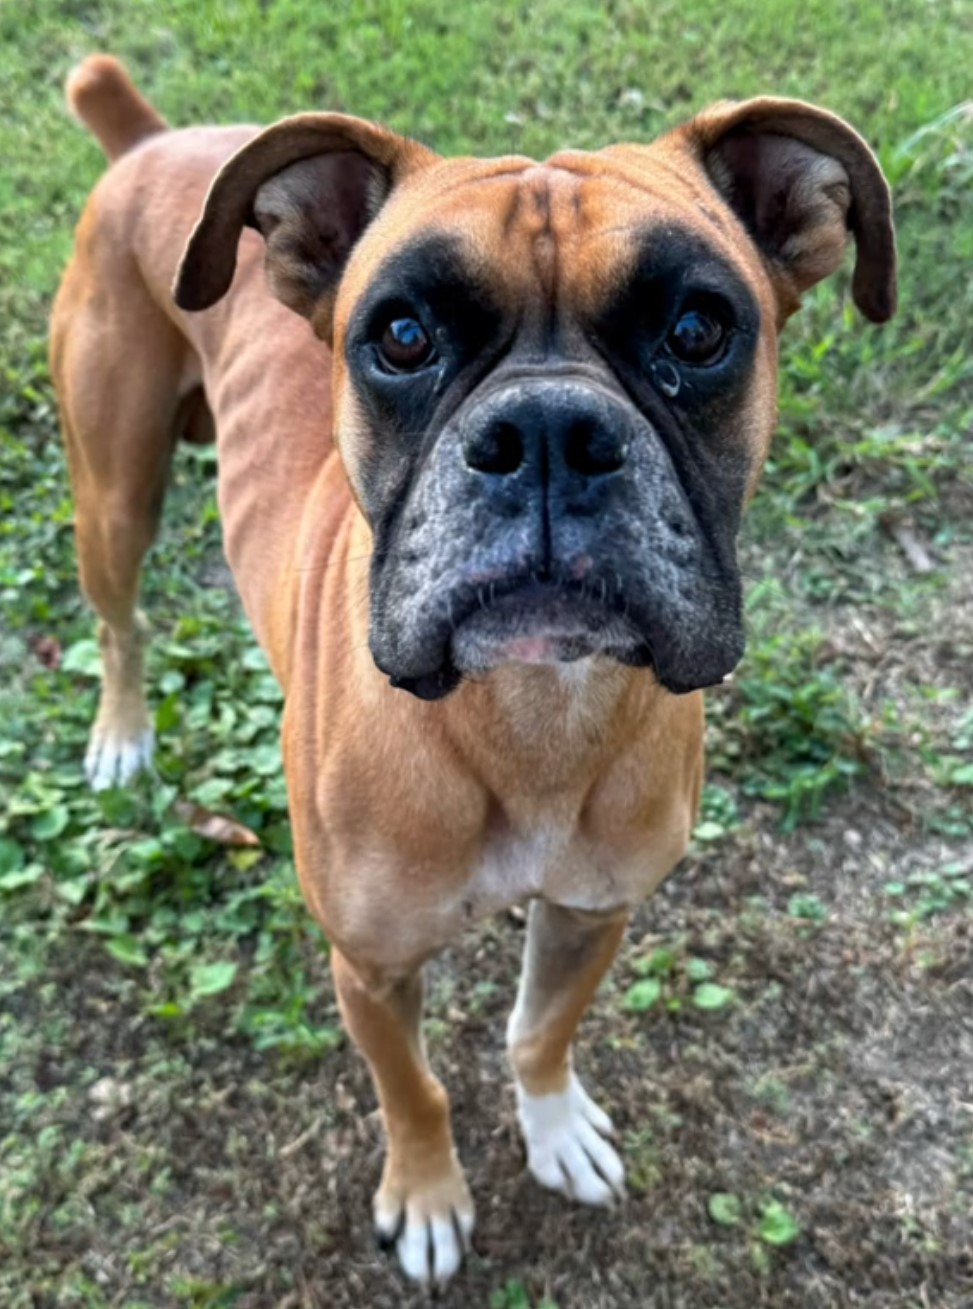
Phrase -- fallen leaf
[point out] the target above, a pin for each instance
(47, 650)
(212, 826)
(917, 555)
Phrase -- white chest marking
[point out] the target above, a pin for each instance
(515, 867)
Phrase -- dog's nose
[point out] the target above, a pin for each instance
(553, 430)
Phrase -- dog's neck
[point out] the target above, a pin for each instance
(542, 728)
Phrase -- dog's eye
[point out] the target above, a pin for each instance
(699, 337)
(405, 345)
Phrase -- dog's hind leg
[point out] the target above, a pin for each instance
(565, 1132)
(117, 363)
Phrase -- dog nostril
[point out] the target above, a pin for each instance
(592, 450)
(500, 450)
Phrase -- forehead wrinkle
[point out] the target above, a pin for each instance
(536, 215)
(535, 209)
(463, 174)
(632, 168)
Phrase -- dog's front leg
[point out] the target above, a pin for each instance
(423, 1205)
(565, 1132)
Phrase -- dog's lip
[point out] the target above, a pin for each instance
(524, 621)
(537, 622)
(561, 609)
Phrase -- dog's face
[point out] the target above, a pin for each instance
(552, 392)
(555, 383)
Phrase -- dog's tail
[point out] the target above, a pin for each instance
(101, 93)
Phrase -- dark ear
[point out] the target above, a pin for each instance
(311, 185)
(799, 179)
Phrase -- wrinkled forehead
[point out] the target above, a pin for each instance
(576, 227)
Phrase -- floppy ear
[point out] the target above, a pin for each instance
(310, 184)
(799, 179)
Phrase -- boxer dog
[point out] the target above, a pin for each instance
(486, 428)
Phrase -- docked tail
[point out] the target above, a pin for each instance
(101, 93)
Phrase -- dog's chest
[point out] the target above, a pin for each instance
(550, 860)
(513, 866)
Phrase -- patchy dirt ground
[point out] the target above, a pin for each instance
(840, 1083)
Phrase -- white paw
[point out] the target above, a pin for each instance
(430, 1229)
(567, 1147)
(113, 759)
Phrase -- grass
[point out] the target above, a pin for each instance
(850, 712)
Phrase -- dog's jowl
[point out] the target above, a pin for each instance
(486, 431)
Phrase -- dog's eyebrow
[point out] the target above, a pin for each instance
(667, 254)
(435, 267)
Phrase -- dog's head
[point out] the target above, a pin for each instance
(554, 383)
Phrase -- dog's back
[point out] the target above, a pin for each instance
(134, 374)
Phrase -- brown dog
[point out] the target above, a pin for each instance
(503, 474)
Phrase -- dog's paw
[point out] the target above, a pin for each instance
(567, 1147)
(430, 1227)
(114, 758)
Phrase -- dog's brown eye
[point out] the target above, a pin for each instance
(405, 345)
(697, 338)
